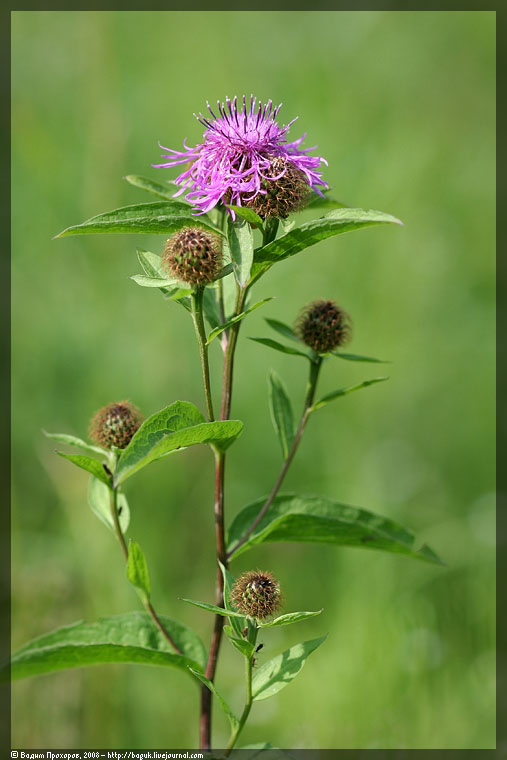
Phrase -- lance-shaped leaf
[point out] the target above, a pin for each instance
(223, 704)
(344, 391)
(282, 669)
(132, 638)
(242, 645)
(281, 412)
(99, 499)
(317, 519)
(88, 464)
(151, 264)
(163, 283)
(280, 347)
(176, 427)
(247, 213)
(210, 306)
(155, 188)
(335, 223)
(212, 608)
(289, 618)
(240, 237)
(238, 624)
(71, 440)
(161, 218)
(137, 572)
(220, 329)
(359, 358)
(285, 330)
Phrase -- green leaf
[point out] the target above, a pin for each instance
(131, 637)
(318, 519)
(280, 347)
(212, 608)
(289, 618)
(248, 214)
(179, 293)
(240, 238)
(71, 440)
(99, 499)
(161, 218)
(223, 704)
(161, 191)
(283, 329)
(220, 329)
(335, 223)
(242, 645)
(175, 427)
(343, 392)
(91, 465)
(281, 412)
(137, 572)
(358, 358)
(153, 282)
(282, 669)
(238, 624)
(151, 264)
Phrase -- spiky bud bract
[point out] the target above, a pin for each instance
(193, 255)
(256, 594)
(284, 190)
(115, 424)
(323, 326)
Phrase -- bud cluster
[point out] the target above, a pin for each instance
(323, 326)
(256, 594)
(115, 424)
(193, 255)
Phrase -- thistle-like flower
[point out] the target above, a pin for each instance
(323, 326)
(193, 255)
(244, 154)
(115, 424)
(256, 594)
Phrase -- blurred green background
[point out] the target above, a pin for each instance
(402, 106)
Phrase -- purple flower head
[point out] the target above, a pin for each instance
(234, 162)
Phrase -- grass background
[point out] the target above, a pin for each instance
(402, 106)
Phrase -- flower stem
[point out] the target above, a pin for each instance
(248, 700)
(198, 319)
(311, 387)
(206, 696)
(123, 544)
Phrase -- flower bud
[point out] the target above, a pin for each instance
(115, 424)
(256, 594)
(284, 190)
(323, 326)
(193, 255)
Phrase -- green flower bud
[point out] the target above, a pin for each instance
(323, 326)
(193, 255)
(115, 424)
(256, 594)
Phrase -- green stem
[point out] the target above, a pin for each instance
(311, 387)
(248, 701)
(123, 544)
(197, 316)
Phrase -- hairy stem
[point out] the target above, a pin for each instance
(248, 700)
(310, 395)
(206, 696)
(123, 544)
(198, 319)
